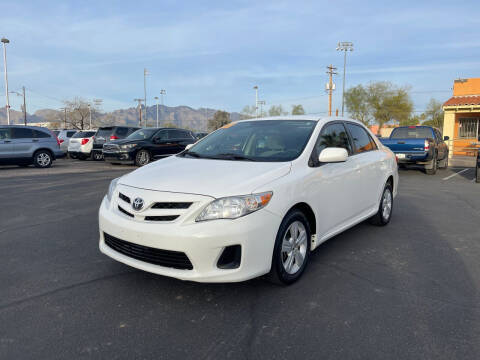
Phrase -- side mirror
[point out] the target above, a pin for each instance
(333, 155)
(188, 146)
(445, 138)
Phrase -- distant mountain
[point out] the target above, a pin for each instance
(179, 116)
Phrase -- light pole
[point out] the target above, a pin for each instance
(162, 92)
(344, 46)
(145, 73)
(5, 41)
(140, 109)
(256, 100)
(261, 103)
(156, 98)
(89, 117)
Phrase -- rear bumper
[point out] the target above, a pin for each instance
(413, 158)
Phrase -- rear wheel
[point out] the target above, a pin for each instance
(384, 213)
(292, 249)
(433, 168)
(42, 159)
(97, 155)
(142, 158)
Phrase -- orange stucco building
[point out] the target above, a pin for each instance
(462, 117)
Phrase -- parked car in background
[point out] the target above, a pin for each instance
(81, 145)
(254, 197)
(64, 137)
(148, 144)
(423, 145)
(25, 145)
(109, 133)
(200, 135)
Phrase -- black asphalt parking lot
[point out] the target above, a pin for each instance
(410, 290)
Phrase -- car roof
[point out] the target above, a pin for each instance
(27, 126)
(319, 119)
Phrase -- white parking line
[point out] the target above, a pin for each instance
(449, 177)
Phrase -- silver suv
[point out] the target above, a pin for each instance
(25, 145)
(64, 137)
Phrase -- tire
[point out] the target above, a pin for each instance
(142, 158)
(443, 163)
(285, 270)
(97, 156)
(433, 170)
(385, 209)
(42, 159)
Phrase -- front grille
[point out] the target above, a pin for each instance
(171, 205)
(125, 212)
(167, 258)
(161, 218)
(124, 197)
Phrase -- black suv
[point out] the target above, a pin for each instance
(148, 144)
(109, 133)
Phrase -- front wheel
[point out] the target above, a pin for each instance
(384, 213)
(142, 158)
(97, 155)
(292, 249)
(42, 159)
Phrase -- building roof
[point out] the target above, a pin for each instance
(463, 100)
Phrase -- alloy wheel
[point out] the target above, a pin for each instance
(294, 247)
(386, 204)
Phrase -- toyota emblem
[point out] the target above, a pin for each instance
(137, 204)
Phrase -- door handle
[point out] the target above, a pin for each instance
(7, 141)
(35, 140)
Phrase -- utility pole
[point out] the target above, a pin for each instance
(162, 92)
(65, 117)
(140, 108)
(90, 117)
(5, 41)
(344, 46)
(156, 98)
(330, 86)
(145, 73)
(256, 101)
(24, 107)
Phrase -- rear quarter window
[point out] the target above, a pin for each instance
(41, 134)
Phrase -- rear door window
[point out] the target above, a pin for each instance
(22, 133)
(83, 134)
(362, 141)
(176, 134)
(40, 134)
(104, 132)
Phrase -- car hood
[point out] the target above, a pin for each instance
(216, 178)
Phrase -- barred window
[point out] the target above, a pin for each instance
(468, 128)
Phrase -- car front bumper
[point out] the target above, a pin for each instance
(120, 157)
(202, 242)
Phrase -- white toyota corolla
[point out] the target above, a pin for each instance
(254, 197)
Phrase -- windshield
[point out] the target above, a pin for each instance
(266, 140)
(141, 134)
(412, 133)
(83, 134)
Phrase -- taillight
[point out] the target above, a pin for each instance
(60, 141)
(113, 137)
(84, 141)
(427, 145)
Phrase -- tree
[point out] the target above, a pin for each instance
(357, 104)
(382, 101)
(298, 110)
(276, 111)
(220, 118)
(248, 112)
(78, 113)
(434, 114)
(413, 120)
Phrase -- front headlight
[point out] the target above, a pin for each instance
(127, 146)
(111, 188)
(234, 207)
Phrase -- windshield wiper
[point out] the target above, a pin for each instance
(192, 154)
(231, 156)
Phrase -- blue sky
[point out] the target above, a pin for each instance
(211, 53)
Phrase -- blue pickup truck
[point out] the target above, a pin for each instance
(423, 145)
